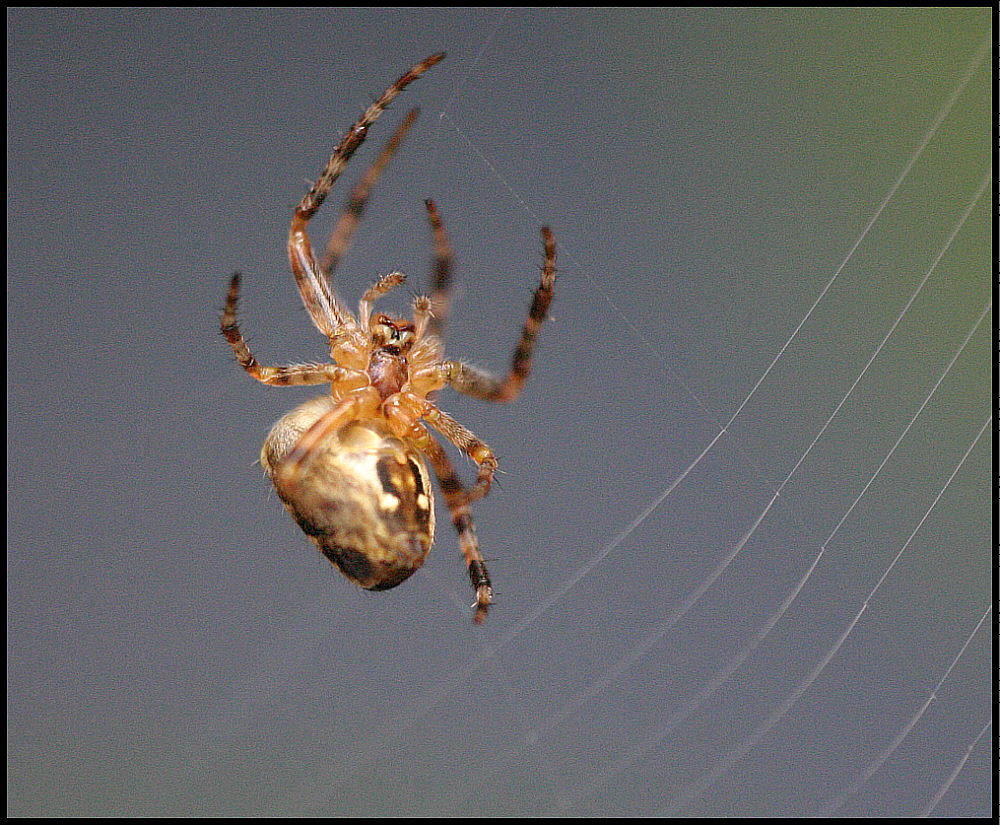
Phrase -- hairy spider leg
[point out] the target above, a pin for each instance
(478, 383)
(354, 207)
(441, 266)
(325, 309)
(284, 376)
(457, 500)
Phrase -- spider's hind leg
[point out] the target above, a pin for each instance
(457, 499)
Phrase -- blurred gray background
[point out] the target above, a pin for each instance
(175, 645)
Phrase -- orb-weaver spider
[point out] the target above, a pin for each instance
(349, 465)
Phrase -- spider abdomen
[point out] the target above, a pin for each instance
(364, 498)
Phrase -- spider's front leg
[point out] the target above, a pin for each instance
(354, 207)
(329, 315)
(442, 264)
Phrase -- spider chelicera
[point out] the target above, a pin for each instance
(349, 465)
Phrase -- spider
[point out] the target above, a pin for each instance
(349, 465)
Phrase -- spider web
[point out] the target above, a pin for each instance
(649, 764)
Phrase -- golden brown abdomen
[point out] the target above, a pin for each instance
(364, 498)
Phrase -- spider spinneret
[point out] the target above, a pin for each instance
(350, 465)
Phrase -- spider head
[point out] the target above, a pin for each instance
(392, 335)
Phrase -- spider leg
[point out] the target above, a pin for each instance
(461, 516)
(442, 266)
(403, 411)
(481, 384)
(468, 443)
(356, 404)
(292, 375)
(325, 309)
(354, 206)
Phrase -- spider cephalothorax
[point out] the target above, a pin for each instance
(388, 367)
(350, 465)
